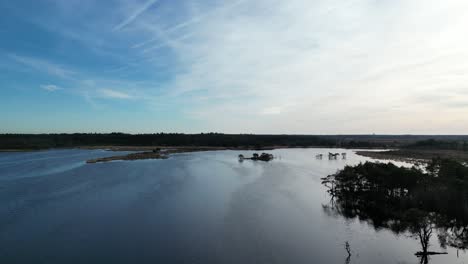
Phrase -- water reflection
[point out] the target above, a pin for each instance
(348, 249)
(193, 208)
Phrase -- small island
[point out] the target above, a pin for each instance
(132, 156)
(255, 156)
(148, 152)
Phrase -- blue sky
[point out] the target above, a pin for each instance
(234, 66)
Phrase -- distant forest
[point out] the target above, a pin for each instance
(440, 144)
(44, 141)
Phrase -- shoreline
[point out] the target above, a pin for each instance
(154, 152)
(148, 148)
(131, 156)
(164, 152)
(415, 155)
(148, 153)
(175, 148)
(20, 150)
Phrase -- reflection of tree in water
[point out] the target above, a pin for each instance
(406, 200)
(348, 249)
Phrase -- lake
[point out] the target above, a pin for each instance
(204, 207)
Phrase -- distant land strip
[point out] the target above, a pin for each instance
(27, 142)
(416, 155)
(147, 152)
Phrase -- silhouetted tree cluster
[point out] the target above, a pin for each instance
(403, 199)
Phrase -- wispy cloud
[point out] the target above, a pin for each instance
(293, 66)
(110, 93)
(135, 14)
(163, 34)
(43, 66)
(200, 17)
(50, 87)
(167, 42)
(296, 54)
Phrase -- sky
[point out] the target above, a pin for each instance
(234, 66)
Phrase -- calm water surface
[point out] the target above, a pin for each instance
(192, 208)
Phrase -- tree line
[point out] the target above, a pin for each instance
(439, 144)
(42, 141)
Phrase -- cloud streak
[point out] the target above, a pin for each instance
(43, 66)
(270, 66)
(113, 94)
(51, 87)
(134, 15)
(298, 53)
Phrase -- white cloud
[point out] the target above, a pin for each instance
(323, 66)
(110, 93)
(50, 87)
(339, 63)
